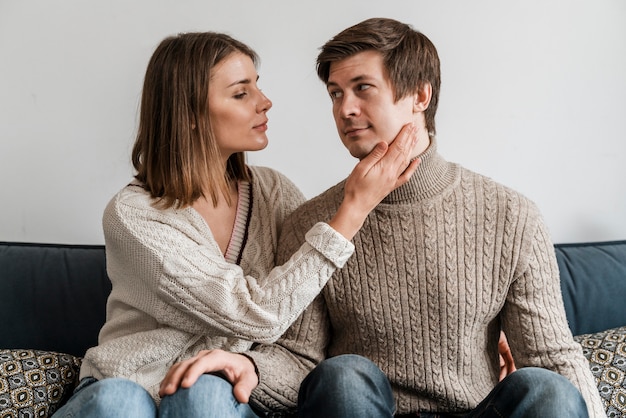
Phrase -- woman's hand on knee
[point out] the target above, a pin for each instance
(238, 369)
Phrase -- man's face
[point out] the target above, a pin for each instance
(363, 103)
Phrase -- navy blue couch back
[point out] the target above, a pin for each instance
(593, 283)
(53, 297)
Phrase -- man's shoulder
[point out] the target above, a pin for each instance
(490, 183)
(326, 201)
(493, 193)
(319, 208)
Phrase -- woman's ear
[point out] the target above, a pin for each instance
(422, 98)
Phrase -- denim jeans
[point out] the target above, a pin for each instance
(210, 396)
(331, 389)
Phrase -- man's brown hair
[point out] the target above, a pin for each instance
(175, 152)
(409, 57)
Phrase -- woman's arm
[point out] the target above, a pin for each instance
(166, 264)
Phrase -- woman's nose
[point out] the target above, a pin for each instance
(264, 103)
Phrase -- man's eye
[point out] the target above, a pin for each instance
(335, 94)
(364, 86)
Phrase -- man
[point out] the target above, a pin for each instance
(410, 325)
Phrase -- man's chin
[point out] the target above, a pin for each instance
(360, 152)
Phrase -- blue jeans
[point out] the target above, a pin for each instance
(331, 389)
(210, 396)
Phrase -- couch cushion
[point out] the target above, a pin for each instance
(593, 283)
(35, 383)
(53, 297)
(606, 352)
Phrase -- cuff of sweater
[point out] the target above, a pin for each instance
(330, 243)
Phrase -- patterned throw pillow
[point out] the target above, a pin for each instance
(35, 383)
(606, 352)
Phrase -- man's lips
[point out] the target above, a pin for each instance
(354, 131)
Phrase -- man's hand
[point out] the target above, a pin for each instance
(237, 368)
(507, 365)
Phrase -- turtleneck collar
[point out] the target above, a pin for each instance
(432, 176)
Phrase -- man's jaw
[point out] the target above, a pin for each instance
(359, 147)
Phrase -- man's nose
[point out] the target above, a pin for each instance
(349, 106)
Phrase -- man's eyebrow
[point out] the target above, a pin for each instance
(352, 80)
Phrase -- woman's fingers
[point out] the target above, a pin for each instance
(182, 374)
(237, 369)
(401, 147)
(172, 380)
(393, 156)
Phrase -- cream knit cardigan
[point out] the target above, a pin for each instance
(438, 267)
(174, 293)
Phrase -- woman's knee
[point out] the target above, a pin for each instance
(209, 396)
(109, 397)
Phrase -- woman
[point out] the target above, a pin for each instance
(190, 242)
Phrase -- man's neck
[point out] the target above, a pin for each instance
(423, 141)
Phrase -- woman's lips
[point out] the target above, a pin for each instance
(261, 127)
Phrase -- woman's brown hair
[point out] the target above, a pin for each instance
(409, 57)
(175, 153)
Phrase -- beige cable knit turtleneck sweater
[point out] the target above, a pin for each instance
(439, 266)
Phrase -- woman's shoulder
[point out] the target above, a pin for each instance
(132, 201)
(270, 180)
(273, 192)
(133, 194)
(262, 173)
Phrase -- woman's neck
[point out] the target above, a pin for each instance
(220, 217)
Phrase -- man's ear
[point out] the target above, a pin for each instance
(422, 98)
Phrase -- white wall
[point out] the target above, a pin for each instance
(533, 95)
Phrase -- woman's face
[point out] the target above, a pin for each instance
(237, 107)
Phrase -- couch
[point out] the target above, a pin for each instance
(52, 305)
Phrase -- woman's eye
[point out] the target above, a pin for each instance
(240, 96)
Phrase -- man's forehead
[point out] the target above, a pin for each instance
(358, 67)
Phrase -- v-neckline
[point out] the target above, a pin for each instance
(237, 237)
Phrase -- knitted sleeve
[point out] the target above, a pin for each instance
(165, 263)
(282, 366)
(535, 322)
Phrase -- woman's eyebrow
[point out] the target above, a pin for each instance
(243, 81)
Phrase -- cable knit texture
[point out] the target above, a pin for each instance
(174, 293)
(439, 266)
